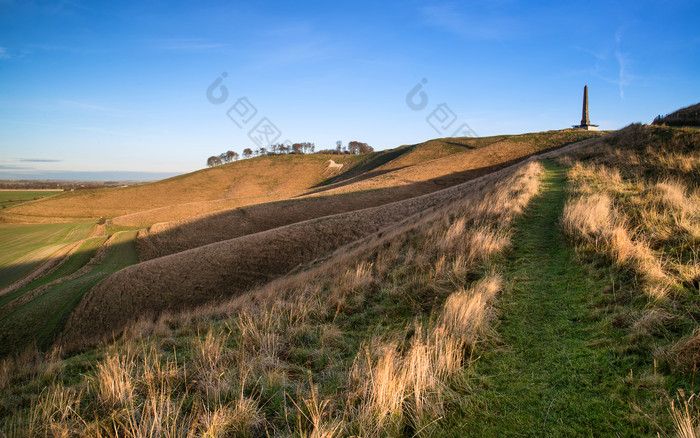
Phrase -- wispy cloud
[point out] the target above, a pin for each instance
(600, 55)
(612, 69)
(295, 42)
(79, 128)
(622, 63)
(473, 25)
(39, 160)
(9, 167)
(622, 76)
(4, 54)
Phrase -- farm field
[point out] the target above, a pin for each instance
(14, 197)
(25, 247)
(37, 311)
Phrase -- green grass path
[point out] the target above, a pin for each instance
(553, 373)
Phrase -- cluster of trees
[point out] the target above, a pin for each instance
(226, 157)
(354, 147)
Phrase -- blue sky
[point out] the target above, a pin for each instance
(122, 86)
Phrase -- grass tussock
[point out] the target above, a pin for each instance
(301, 356)
(684, 411)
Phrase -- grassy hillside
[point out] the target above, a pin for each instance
(334, 195)
(296, 357)
(688, 116)
(243, 181)
(265, 179)
(375, 180)
(228, 268)
(35, 313)
(542, 299)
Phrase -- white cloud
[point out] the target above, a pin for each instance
(622, 76)
(3, 53)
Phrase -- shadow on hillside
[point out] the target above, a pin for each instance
(462, 145)
(351, 180)
(246, 220)
(377, 159)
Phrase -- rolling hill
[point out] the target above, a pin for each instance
(537, 284)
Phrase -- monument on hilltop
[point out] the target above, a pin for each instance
(585, 122)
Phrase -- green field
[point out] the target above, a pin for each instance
(36, 314)
(14, 197)
(24, 247)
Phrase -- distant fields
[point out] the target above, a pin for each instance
(14, 197)
(38, 310)
(24, 247)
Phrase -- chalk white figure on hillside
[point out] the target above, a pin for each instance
(333, 167)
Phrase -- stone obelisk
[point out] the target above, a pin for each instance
(584, 117)
(585, 121)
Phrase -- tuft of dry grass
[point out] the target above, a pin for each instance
(394, 387)
(114, 379)
(685, 416)
(684, 354)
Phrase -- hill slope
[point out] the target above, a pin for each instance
(411, 171)
(688, 116)
(445, 323)
(245, 182)
(225, 269)
(240, 183)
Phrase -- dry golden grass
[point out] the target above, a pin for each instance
(393, 388)
(685, 416)
(650, 217)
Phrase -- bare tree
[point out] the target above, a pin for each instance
(230, 155)
(356, 147)
(213, 161)
(338, 147)
(247, 152)
(365, 148)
